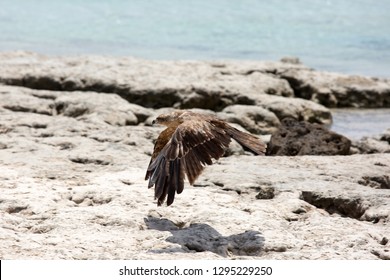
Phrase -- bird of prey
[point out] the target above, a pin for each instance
(190, 141)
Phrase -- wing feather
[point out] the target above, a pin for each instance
(194, 165)
(161, 141)
(185, 150)
(172, 180)
(160, 179)
(202, 154)
(177, 175)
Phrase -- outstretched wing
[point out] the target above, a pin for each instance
(247, 140)
(161, 141)
(193, 144)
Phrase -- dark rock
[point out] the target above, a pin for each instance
(303, 138)
(376, 182)
(385, 136)
(266, 193)
(345, 206)
(384, 241)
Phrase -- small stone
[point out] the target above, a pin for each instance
(384, 241)
(291, 60)
(266, 192)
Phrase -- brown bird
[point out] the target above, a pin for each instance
(189, 142)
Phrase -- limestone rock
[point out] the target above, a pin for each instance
(303, 138)
(338, 90)
(255, 119)
(385, 136)
(158, 84)
(64, 177)
(290, 60)
(72, 175)
(375, 144)
(296, 108)
(369, 145)
(109, 108)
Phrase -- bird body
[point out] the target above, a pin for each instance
(189, 143)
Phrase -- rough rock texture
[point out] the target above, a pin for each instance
(148, 83)
(73, 153)
(303, 138)
(337, 90)
(72, 168)
(371, 145)
(255, 119)
(385, 136)
(187, 84)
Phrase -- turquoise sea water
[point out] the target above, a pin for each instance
(350, 36)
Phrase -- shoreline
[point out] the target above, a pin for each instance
(322, 67)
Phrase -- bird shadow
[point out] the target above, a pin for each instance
(201, 237)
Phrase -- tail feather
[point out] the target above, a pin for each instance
(248, 141)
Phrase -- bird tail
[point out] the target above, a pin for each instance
(248, 141)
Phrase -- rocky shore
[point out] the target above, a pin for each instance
(75, 140)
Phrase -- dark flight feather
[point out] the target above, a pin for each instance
(186, 146)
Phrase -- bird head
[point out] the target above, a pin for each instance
(171, 119)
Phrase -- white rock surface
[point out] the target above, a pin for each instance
(72, 187)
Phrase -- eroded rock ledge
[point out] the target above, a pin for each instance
(187, 84)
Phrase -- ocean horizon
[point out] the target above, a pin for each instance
(343, 36)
